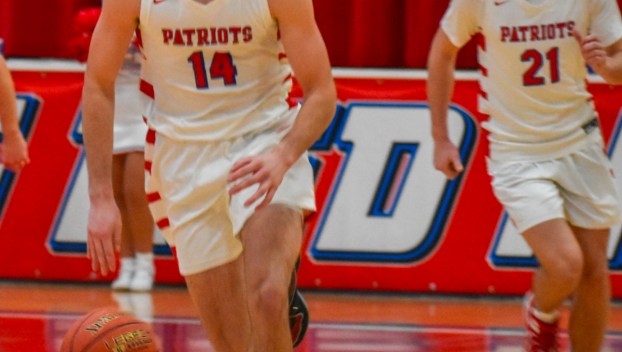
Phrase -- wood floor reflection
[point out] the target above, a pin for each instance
(35, 316)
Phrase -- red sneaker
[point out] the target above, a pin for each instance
(541, 336)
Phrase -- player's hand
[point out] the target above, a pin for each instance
(593, 51)
(104, 235)
(14, 151)
(447, 159)
(266, 170)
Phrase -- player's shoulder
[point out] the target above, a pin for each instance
(129, 7)
(469, 5)
(290, 8)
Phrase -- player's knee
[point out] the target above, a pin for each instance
(566, 268)
(270, 299)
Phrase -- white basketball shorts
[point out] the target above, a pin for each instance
(129, 126)
(188, 194)
(579, 187)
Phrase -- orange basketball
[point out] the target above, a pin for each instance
(110, 330)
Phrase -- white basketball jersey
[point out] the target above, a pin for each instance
(533, 76)
(215, 71)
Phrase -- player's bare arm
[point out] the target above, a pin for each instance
(605, 60)
(307, 55)
(14, 154)
(440, 86)
(111, 39)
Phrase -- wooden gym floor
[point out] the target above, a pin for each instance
(35, 316)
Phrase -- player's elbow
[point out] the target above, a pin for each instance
(97, 85)
(329, 101)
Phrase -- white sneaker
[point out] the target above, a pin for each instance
(124, 280)
(143, 279)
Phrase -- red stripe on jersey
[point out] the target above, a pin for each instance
(282, 56)
(483, 93)
(481, 41)
(147, 89)
(485, 144)
(148, 166)
(153, 197)
(290, 100)
(151, 136)
(483, 70)
(163, 223)
(138, 39)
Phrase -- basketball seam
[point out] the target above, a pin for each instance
(73, 337)
(100, 337)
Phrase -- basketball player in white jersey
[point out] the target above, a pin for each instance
(136, 271)
(229, 177)
(13, 150)
(546, 150)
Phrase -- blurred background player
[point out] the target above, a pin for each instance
(13, 150)
(136, 272)
(229, 177)
(546, 149)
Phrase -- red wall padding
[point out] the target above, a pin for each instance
(394, 33)
(358, 33)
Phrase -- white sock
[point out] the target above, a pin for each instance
(144, 260)
(128, 263)
(549, 317)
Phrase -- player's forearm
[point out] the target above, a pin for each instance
(8, 107)
(8, 115)
(314, 117)
(97, 124)
(440, 85)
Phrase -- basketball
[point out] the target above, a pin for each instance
(110, 330)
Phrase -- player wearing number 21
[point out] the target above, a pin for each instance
(546, 157)
(228, 176)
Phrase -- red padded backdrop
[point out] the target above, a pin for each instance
(358, 33)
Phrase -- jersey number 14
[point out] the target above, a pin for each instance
(221, 67)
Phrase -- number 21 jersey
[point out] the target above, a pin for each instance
(532, 73)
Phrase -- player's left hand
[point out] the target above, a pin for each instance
(592, 49)
(267, 170)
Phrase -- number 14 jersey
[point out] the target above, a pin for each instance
(215, 71)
